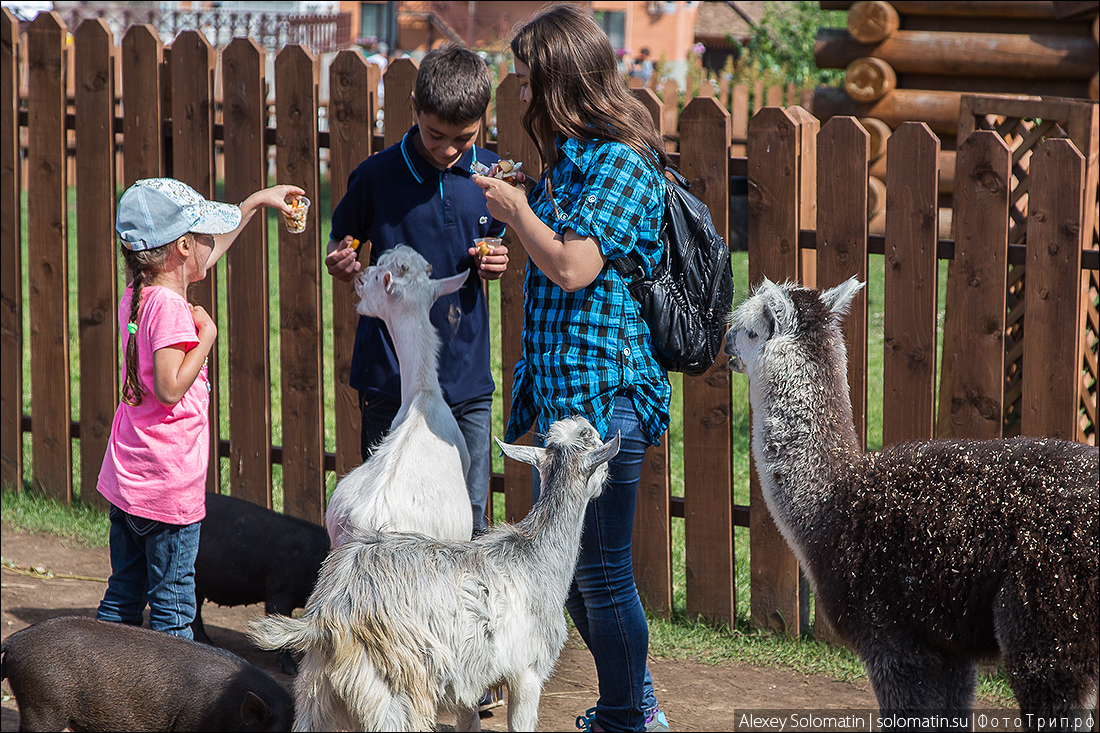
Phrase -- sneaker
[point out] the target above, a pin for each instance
(655, 721)
(494, 698)
(588, 721)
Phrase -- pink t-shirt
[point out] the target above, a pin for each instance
(156, 460)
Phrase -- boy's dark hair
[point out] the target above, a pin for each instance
(452, 83)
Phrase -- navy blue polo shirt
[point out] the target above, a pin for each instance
(397, 197)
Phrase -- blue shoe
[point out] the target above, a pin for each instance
(494, 698)
(655, 721)
(588, 720)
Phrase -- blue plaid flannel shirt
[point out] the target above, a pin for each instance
(582, 348)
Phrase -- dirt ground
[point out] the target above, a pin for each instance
(696, 697)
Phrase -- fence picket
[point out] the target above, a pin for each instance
(192, 66)
(400, 81)
(244, 115)
(48, 258)
(11, 259)
(351, 133)
(708, 483)
(513, 143)
(296, 74)
(1054, 242)
(980, 280)
(774, 144)
(97, 254)
(142, 63)
(652, 539)
(911, 285)
(842, 149)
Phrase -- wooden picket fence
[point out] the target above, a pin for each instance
(807, 198)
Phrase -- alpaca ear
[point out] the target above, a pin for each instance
(839, 299)
(523, 453)
(778, 309)
(448, 285)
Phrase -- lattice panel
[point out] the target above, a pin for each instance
(1022, 135)
(1024, 123)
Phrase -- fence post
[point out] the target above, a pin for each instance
(911, 285)
(513, 142)
(352, 100)
(1055, 236)
(982, 171)
(11, 261)
(97, 253)
(774, 145)
(48, 257)
(142, 63)
(708, 483)
(296, 73)
(652, 540)
(244, 112)
(807, 180)
(400, 81)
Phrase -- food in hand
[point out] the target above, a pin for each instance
(296, 219)
(503, 170)
(354, 244)
(484, 248)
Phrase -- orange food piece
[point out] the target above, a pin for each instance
(355, 244)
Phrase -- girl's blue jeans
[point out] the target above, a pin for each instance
(603, 600)
(151, 562)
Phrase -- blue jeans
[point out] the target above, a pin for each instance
(151, 562)
(474, 418)
(603, 600)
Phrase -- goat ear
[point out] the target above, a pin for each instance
(524, 453)
(604, 453)
(387, 280)
(839, 299)
(448, 285)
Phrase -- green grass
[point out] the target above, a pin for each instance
(677, 637)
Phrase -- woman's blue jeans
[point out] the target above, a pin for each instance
(151, 562)
(603, 600)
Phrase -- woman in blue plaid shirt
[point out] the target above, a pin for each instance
(586, 349)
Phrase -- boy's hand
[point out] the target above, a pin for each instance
(492, 265)
(342, 260)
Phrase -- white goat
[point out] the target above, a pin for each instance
(416, 478)
(400, 624)
(931, 554)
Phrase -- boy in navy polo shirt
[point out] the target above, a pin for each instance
(419, 193)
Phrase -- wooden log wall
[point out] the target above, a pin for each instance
(914, 61)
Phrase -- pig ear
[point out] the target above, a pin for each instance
(253, 710)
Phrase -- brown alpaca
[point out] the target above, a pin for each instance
(929, 555)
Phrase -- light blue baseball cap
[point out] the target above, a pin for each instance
(156, 211)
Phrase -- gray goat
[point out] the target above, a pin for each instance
(929, 555)
(400, 624)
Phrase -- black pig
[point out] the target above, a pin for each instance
(95, 675)
(248, 554)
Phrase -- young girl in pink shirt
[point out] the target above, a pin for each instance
(154, 470)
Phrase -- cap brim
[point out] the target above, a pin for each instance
(215, 218)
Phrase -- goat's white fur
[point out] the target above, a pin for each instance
(400, 624)
(416, 478)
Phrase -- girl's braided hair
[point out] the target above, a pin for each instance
(144, 266)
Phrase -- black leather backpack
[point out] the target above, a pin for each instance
(687, 301)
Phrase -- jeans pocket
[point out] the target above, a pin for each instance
(141, 526)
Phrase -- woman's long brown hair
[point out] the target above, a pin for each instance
(576, 88)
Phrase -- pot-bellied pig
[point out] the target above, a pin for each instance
(248, 554)
(90, 675)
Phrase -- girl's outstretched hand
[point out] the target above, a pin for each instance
(505, 201)
(275, 197)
